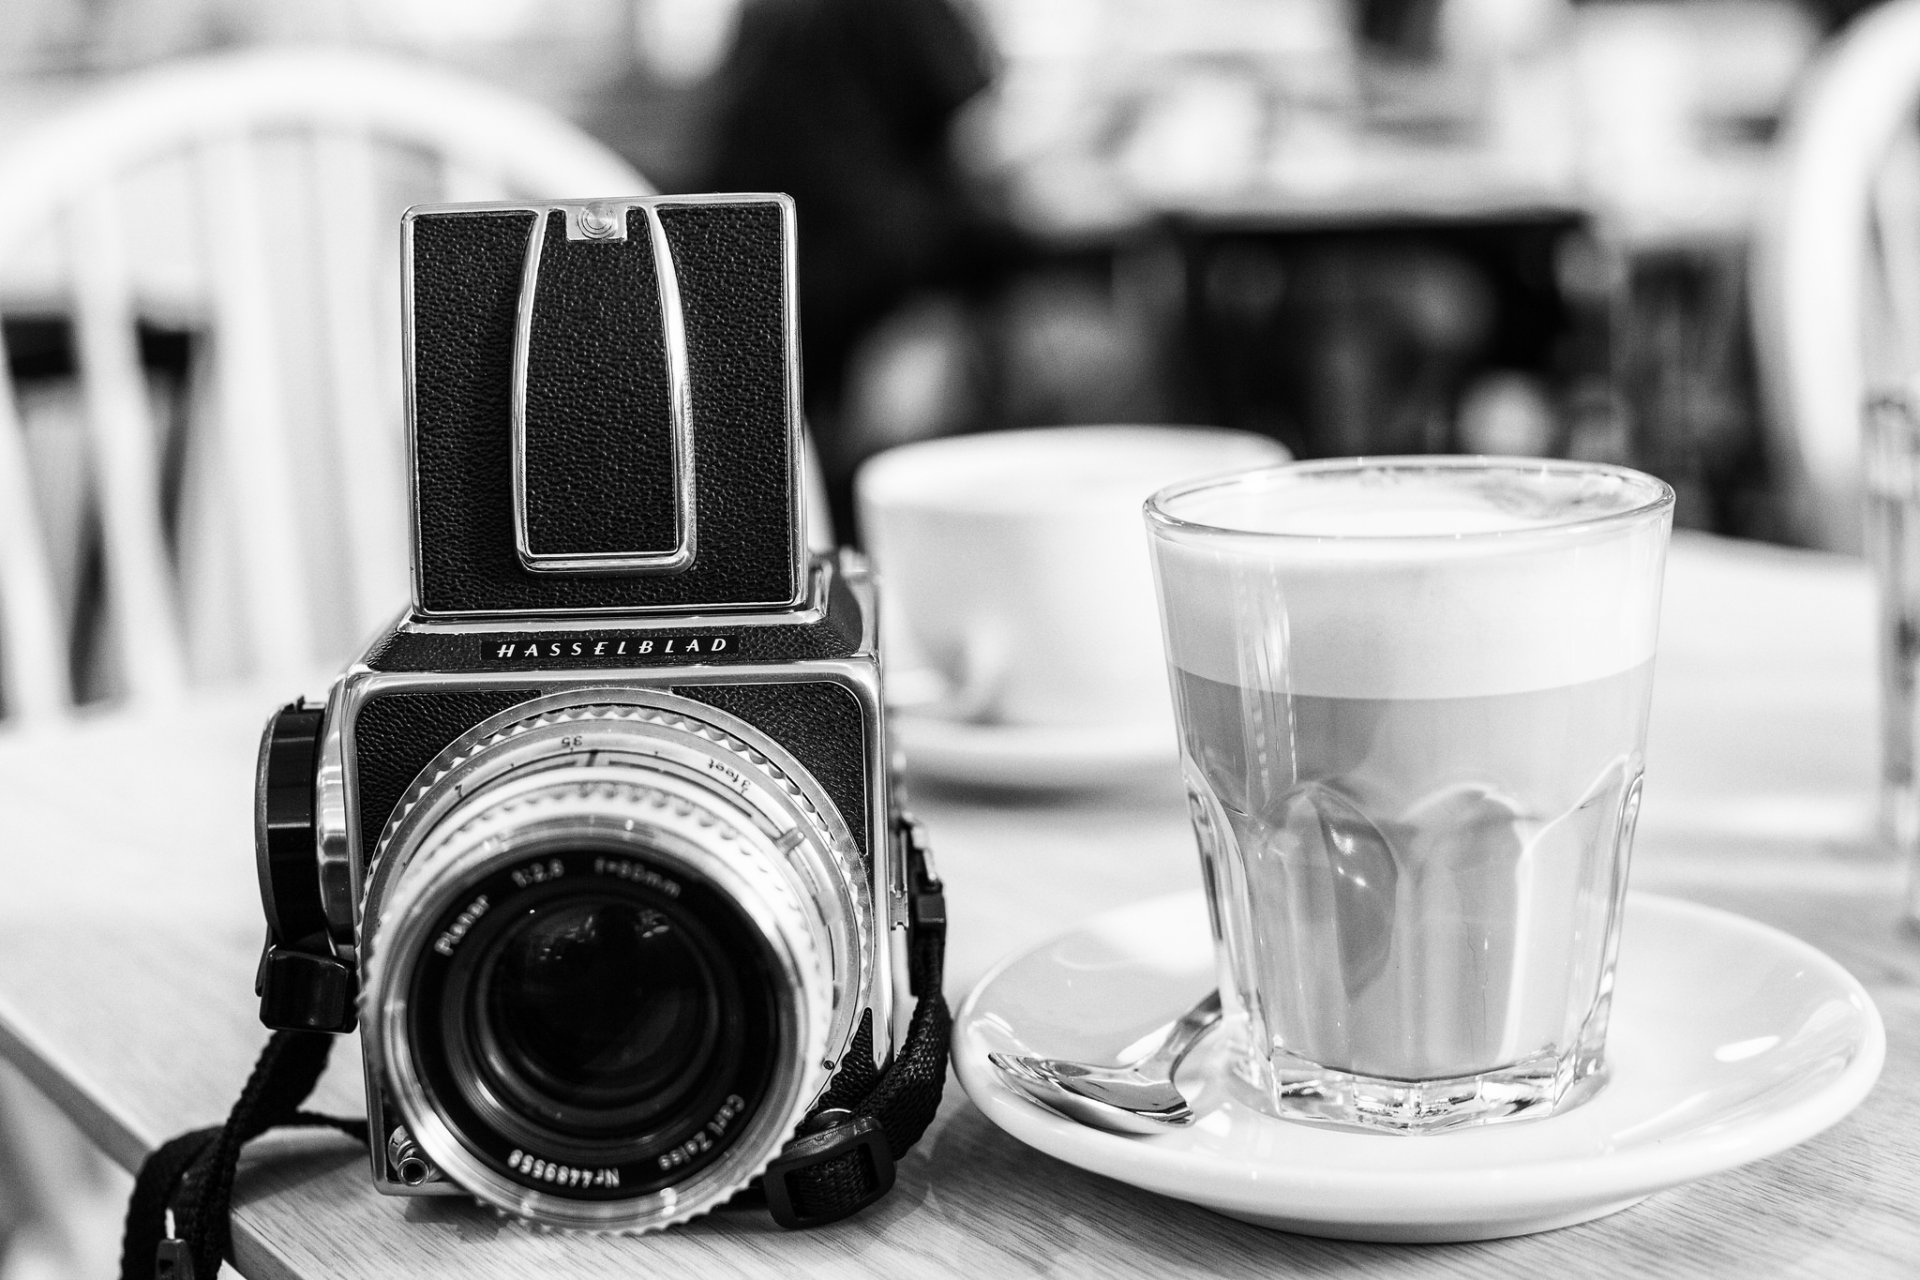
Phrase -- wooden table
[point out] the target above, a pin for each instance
(130, 928)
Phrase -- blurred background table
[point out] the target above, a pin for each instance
(130, 930)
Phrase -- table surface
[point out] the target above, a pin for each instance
(131, 927)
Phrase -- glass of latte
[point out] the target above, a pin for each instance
(1412, 702)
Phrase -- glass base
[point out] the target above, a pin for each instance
(1295, 1089)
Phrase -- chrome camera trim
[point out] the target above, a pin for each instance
(607, 220)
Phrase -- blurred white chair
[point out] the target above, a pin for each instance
(252, 201)
(1836, 262)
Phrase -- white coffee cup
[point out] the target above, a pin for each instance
(1016, 588)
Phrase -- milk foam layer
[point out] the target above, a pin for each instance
(1433, 584)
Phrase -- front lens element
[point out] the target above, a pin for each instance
(599, 1014)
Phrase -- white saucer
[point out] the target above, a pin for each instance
(1027, 757)
(1730, 1041)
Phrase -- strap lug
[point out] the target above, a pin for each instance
(173, 1261)
(829, 1135)
(300, 991)
(926, 895)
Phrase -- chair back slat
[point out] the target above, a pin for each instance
(34, 684)
(121, 434)
(1894, 248)
(360, 330)
(250, 420)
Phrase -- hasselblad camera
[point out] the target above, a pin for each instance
(599, 845)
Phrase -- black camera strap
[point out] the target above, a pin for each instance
(843, 1158)
(179, 1216)
(190, 1179)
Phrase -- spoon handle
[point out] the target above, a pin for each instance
(1181, 1037)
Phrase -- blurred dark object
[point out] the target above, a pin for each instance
(1834, 14)
(846, 105)
(1404, 28)
(1513, 333)
(1686, 371)
(1408, 28)
(1488, 333)
(1519, 333)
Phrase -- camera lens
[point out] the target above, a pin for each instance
(593, 1021)
(605, 964)
(600, 1014)
(598, 1009)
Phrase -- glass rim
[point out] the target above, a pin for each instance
(1160, 520)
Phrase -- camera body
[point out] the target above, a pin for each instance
(599, 843)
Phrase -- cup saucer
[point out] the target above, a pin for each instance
(1730, 1041)
(1034, 757)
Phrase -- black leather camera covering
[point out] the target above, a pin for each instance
(819, 721)
(395, 735)
(730, 263)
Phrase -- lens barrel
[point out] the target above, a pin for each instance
(602, 996)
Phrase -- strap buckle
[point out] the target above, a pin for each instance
(803, 1192)
(926, 896)
(173, 1261)
(300, 991)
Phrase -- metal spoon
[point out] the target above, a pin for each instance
(1132, 1097)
